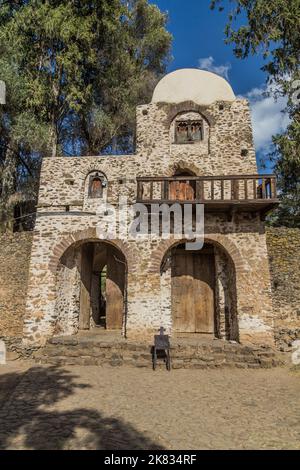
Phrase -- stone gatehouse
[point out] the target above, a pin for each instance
(194, 145)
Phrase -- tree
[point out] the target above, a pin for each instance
(273, 29)
(75, 71)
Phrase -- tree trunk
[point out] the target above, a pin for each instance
(9, 180)
(53, 141)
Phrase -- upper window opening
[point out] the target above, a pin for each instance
(188, 131)
(96, 185)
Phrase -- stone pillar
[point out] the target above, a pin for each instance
(226, 312)
(220, 319)
(68, 282)
(87, 254)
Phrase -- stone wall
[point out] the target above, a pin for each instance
(284, 253)
(227, 132)
(243, 239)
(283, 247)
(14, 263)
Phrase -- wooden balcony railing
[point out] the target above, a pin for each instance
(250, 192)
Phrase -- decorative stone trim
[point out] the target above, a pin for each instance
(89, 234)
(172, 110)
(185, 166)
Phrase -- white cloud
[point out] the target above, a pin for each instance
(208, 63)
(268, 118)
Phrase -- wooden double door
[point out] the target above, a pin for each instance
(193, 297)
(114, 286)
(182, 190)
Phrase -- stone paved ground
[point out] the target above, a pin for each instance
(128, 408)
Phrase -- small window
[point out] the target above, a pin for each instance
(196, 131)
(95, 187)
(188, 132)
(182, 132)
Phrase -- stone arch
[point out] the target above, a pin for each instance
(91, 281)
(219, 314)
(241, 266)
(92, 170)
(92, 166)
(86, 235)
(95, 187)
(188, 106)
(184, 166)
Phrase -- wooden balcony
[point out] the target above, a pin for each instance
(243, 193)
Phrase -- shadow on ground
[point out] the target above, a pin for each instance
(27, 423)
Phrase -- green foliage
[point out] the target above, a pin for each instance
(75, 71)
(272, 29)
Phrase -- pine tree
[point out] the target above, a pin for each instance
(75, 71)
(272, 28)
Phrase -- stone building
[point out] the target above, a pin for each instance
(194, 145)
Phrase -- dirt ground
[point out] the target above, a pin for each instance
(87, 407)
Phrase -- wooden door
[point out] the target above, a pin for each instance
(183, 293)
(193, 292)
(115, 284)
(182, 191)
(204, 305)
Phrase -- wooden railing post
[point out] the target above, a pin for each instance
(200, 190)
(166, 190)
(273, 188)
(151, 191)
(222, 190)
(246, 188)
(212, 192)
(217, 188)
(254, 189)
(263, 186)
(234, 189)
(139, 190)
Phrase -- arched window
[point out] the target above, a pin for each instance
(188, 131)
(96, 185)
(183, 189)
(182, 132)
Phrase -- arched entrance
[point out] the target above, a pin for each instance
(182, 189)
(203, 291)
(91, 287)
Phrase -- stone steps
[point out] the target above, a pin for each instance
(202, 355)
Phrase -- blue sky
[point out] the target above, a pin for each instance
(198, 34)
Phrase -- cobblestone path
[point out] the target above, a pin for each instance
(79, 407)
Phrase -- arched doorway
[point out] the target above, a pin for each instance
(182, 189)
(203, 291)
(92, 287)
(193, 290)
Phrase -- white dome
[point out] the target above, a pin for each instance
(200, 86)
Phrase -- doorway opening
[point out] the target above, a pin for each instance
(202, 291)
(193, 290)
(102, 286)
(183, 190)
